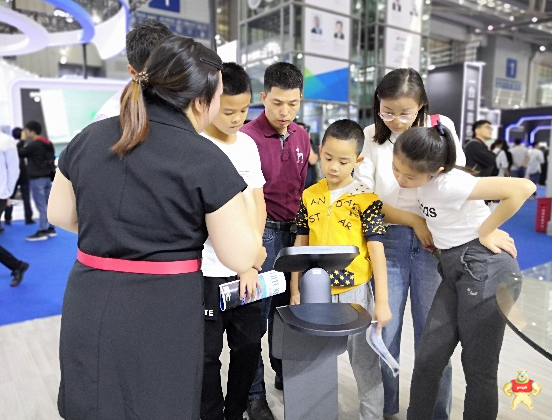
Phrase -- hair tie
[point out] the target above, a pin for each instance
(211, 63)
(439, 128)
(141, 77)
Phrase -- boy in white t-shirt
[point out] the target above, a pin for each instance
(242, 324)
(472, 265)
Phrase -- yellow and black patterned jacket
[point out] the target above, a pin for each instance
(352, 219)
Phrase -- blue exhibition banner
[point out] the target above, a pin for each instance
(190, 28)
(168, 5)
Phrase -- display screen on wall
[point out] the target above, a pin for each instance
(402, 49)
(63, 107)
(326, 34)
(326, 79)
(63, 112)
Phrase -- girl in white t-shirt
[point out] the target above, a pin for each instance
(401, 102)
(472, 266)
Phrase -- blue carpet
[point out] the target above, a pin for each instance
(41, 292)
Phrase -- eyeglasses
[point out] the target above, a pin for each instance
(405, 118)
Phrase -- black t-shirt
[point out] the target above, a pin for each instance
(150, 205)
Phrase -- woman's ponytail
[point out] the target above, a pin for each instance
(134, 117)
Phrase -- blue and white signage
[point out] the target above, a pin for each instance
(511, 68)
(168, 5)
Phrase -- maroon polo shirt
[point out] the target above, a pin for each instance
(284, 168)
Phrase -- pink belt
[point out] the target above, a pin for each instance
(139, 267)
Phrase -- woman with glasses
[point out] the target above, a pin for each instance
(400, 102)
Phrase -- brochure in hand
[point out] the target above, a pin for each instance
(376, 342)
(272, 282)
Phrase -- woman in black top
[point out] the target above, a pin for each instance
(143, 192)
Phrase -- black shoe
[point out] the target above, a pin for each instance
(259, 410)
(7, 222)
(51, 231)
(278, 383)
(17, 275)
(30, 222)
(40, 235)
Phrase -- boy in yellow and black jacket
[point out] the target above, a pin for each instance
(339, 210)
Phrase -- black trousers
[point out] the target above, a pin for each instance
(7, 257)
(243, 332)
(26, 196)
(464, 311)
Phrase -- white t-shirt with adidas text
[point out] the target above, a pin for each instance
(452, 219)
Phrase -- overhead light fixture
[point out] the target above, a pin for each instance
(539, 27)
(63, 60)
(511, 18)
(534, 19)
(542, 48)
(490, 27)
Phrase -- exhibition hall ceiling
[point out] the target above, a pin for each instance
(528, 21)
(30, 25)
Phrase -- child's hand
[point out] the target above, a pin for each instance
(249, 281)
(382, 314)
(261, 257)
(422, 232)
(295, 299)
(498, 240)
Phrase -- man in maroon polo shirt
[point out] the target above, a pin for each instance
(284, 148)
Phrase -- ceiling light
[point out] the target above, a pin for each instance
(299, 56)
(477, 31)
(490, 27)
(534, 19)
(63, 60)
(542, 48)
(511, 18)
(539, 27)
(506, 6)
(96, 19)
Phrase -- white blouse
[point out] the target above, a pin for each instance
(376, 170)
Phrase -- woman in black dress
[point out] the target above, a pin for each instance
(143, 192)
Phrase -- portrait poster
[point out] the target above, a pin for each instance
(326, 34)
(406, 14)
(402, 49)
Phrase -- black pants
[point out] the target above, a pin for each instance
(6, 257)
(26, 196)
(243, 331)
(464, 310)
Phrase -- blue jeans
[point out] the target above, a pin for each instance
(274, 241)
(518, 172)
(409, 267)
(40, 188)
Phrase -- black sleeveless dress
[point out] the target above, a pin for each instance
(131, 345)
